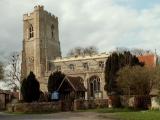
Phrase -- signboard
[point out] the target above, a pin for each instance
(55, 95)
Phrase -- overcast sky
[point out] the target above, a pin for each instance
(106, 24)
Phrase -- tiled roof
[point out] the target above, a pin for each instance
(75, 82)
(4, 91)
(149, 60)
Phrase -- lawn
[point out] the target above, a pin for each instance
(128, 114)
(140, 115)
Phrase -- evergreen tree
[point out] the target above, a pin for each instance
(113, 64)
(24, 90)
(55, 80)
(30, 88)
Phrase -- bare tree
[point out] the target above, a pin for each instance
(76, 51)
(121, 50)
(90, 50)
(134, 51)
(13, 71)
(138, 51)
(1, 71)
(83, 51)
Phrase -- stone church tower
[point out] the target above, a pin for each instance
(40, 43)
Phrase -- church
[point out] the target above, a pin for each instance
(42, 54)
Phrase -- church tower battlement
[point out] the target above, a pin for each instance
(40, 43)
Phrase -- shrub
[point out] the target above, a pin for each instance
(55, 80)
(30, 88)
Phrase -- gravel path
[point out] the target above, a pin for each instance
(56, 116)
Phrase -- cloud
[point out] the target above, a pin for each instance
(104, 23)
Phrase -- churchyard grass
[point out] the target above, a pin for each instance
(140, 115)
(127, 114)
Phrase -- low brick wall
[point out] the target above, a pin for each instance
(55, 106)
(35, 107)
(90, 104)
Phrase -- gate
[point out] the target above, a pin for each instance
(67, 105)
(67, 102)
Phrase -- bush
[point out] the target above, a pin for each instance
(55, 80)
(30, 88)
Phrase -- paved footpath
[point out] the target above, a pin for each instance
(55, 116)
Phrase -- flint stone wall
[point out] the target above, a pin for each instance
(90, 104)
(35, 107)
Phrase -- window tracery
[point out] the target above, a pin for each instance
(31, 31)
(52, 31)
(94, 85)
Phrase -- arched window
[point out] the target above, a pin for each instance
(71, 66)
(94, 85)
(31, 32)
(52, 31)
(58, 68)
(101, 64)
(85, 65)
